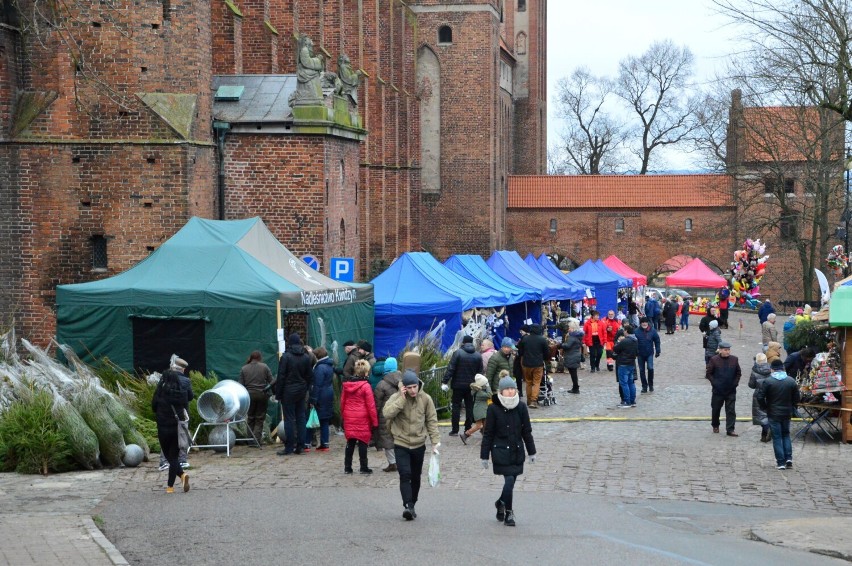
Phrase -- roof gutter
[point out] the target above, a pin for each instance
(221, 129)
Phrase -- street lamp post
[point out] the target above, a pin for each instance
(848, 166)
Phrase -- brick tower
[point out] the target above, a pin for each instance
(481, 76)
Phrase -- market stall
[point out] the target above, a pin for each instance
(696, 275)
(840, 320)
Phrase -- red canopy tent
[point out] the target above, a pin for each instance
(695, 274)
(625, 270)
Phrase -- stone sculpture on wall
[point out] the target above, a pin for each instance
(349, 80)
(310, 70)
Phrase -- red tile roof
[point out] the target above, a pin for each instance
(785, 133)
(619, 191)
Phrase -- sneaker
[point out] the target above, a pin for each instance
(533, 406)
(789, 464)
(623, 405)
(184, 479)
(716, 429)
(651, 388)
(347, 470)
(732, 433)
(409, 514)
(284, 452)
(644, 391)
(575, 391)
(184, 465)
(632, 405)
(365, 471)
(170, 490)
(501, 510)
(323, 448)
(306, 449)
(454, 433)
(463, 438)
(164, 467)
(389, 468)
(782, 467)
(509, 521)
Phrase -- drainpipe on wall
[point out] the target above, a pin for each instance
(221, 129)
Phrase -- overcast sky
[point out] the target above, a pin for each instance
(599, 34)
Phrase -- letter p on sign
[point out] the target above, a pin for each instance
(342, 268)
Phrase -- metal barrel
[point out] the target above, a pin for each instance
(226, 401)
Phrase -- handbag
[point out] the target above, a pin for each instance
(313, 419)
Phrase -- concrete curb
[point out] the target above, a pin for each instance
(809, 535)
(109, 549)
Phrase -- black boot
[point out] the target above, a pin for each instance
(501, 510)
(650, 380)
(509, 521)
(409, 514)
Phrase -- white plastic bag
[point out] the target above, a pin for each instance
(434, 470)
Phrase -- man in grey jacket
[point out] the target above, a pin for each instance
(778, 395)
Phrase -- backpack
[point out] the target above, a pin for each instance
(171, 391)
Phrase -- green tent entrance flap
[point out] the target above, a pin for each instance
(228, 274)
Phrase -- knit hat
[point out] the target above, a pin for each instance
(776, 364)
(507, 343)
(366, 346)
(760, 358)
(467, 340)
(410, 378)
(294, 340)
(390, 365)
(480, 381)
(713, 324)
(800, 311)
(525, 328)
(349, 343)
(507, 383)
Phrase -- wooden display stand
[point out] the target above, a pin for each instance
(846, 373)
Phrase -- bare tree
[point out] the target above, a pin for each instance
(794, 189)
(655, 86)
(808, 42)
(592, 136)
(710, 137)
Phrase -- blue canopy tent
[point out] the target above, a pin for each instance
(510, 266)
(416, 293)
(549, 271)
(605, 284)
(521, 299)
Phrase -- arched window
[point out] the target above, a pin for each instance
(688, 225)
(619, 224)
(445, 34)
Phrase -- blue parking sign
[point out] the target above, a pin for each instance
(342, 268)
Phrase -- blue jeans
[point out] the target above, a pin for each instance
(781, 442)
(626, 373)
(684, 321)
(294, 425)
(643, 361)
(323, 428)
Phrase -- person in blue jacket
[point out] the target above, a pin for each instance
(765, 310)
(652, 311)
(322, 397)
(649, 348)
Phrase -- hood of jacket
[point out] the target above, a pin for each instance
(393, 378)
(326, 361)
(536, 329)
(780, 375)
(577, 334)
(762, 368)
(296, 350)
(469, 348)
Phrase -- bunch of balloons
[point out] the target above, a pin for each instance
(747, 270)
(837, 260)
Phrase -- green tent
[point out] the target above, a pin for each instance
(209, 294)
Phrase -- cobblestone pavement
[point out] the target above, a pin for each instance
(662, 450)
(644, 454)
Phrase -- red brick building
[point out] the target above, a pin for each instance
(112, 137)
(784, 185)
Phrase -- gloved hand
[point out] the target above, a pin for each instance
(445, 387)
(435, 448)
(485, 464)
(532, 459)
(657, 355)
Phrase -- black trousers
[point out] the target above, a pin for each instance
(350, 451)
(409, 464)
(574, 383)
(595, 353)
(723, 318)
(168, 437)
(508, 488)
(256, 416)
(730, 403)
(460, 395)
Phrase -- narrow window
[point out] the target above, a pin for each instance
(688, 225)
(99, 252)
(522, 5)
(445, 34)
(343, 235)
(552, 225)
(619, 224)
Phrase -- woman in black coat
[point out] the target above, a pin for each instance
(572, 353)
(507, 431)
(670, 316)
